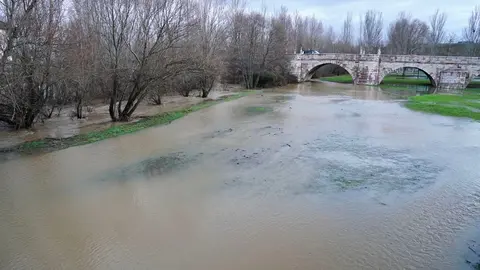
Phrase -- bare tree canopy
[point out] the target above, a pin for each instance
(141, 39)
(330, 41)
(27, 78)
(471, 33)
(372, 29)
(407, 35)
(437, 28)
(346, 37)
(308, 32)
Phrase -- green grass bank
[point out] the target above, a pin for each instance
(50, 145)
(466, 104)
(393, 80)
(387, 80)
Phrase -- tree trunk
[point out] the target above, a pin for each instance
(113, 99)
(111, 108)
(207, 87)
(123, 117)
(34, 105)
(50, 112)
(59, 110)
(132, 104)
(256, 81)
(156, 99)
(79, 109)
(27, 121)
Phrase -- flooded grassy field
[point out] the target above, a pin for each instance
(311, 176)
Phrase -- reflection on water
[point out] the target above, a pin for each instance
(310, 176)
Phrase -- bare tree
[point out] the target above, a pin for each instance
(346, 37)
(406, 35)
(277, 62)
(298, 32)
(286, 20)
(114, 22)
(81, 56)
(257, 48)
(437, 33)
(308, 32)
(315, 31)
(330, 41)
(251, 49)
(372, 28)
(15, 16)
(211, 38)
(471, 33)
(27, 62)
(142, 40)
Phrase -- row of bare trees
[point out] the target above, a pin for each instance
(127, 52)
(405, 35)
(54, 53)
(29, 73)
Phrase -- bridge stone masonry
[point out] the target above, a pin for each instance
(447, 72)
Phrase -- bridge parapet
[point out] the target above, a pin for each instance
(428, 59)
(336, 56)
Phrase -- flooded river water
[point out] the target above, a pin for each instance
(312, 176)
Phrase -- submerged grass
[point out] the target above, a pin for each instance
(49, 144)
(346, 184)
(466, 104)
(253, 110)
(149, 168)
(338, 79)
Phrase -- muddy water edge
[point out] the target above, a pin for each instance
(311, 176)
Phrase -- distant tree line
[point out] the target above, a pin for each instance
(54, 52)
(405, 35)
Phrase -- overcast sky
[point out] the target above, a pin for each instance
(333, 12)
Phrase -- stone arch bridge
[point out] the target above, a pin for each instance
(448, 72)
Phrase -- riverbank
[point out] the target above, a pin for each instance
(45, 145)
(466, 104)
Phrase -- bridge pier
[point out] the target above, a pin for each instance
(445, 72)
(454, 79)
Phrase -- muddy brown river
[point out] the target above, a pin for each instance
(312, 176)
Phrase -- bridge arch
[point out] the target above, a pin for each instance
(389, 70)
(314, 67)
(473, 75)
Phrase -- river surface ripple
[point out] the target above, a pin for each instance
(312, 176)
